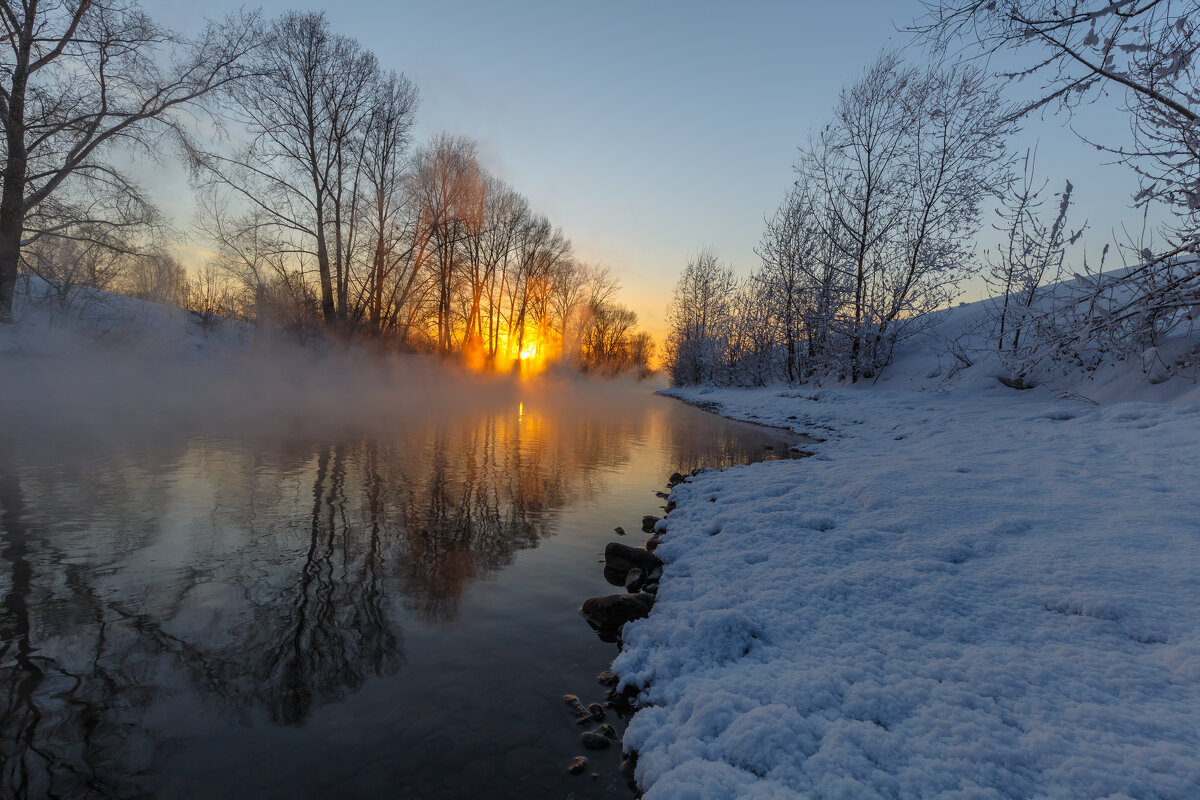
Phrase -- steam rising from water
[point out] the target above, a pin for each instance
(99, 392)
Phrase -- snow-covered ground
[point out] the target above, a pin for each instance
(967, 592)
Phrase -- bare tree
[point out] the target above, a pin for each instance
(305, 113)
(448, 188)
(81, 79)
(157, 278)
(384, 169)
(699, 317)
(855, 160)
(902, 171)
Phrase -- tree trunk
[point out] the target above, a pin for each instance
(12, 197)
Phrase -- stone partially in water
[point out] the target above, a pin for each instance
(597, 711)
(648, 523)
(577, 708)
(620, 531)
(607, 678)
(610, 612)
(578, 765)
(616, 577)
(622, 557)
(594, 740)
(609, 731)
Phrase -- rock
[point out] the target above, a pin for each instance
(634, 579)
(620, 531)
(594, 740)
(579, 765)
(648, 523)
(577, 708)
(610, 612)
(650, 588)
(663, 495)
(614, 576)
(653, 542)
(607, 678)
(629, 767)
(655, 574)
(609, 731)
(675, 478)
(596, 710)
(624, 558)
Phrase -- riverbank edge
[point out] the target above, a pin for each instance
(625, 695)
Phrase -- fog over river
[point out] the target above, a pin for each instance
(308, 578)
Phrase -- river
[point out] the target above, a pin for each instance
(392, 611)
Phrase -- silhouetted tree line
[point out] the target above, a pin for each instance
(322, 215)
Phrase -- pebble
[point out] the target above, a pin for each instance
(577, 708)
(578, 765)
(597, 711)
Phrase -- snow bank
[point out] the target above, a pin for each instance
(978, 593)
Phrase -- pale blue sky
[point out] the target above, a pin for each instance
(647, 129)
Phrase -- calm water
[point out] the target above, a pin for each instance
(191, 613)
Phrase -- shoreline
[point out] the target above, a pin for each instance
(819, 624)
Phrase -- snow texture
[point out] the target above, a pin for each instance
(973, 593)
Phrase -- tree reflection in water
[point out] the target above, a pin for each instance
(156, 592)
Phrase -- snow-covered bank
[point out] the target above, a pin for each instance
(986, 594)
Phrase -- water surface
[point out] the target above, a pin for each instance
(256, 610)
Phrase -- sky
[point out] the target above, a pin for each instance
(647, 130)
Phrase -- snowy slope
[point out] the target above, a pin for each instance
(93, 320)
(967, 591)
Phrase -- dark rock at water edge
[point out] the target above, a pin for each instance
(610, 612)
(577, 707)
(623, 557)
(619, 530)
(648, 523)
(594, 740)
(615, 577)
(578, 765)
(676, 479)
(596, 710)
(629, 767)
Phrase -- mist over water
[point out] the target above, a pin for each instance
(297, 576)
